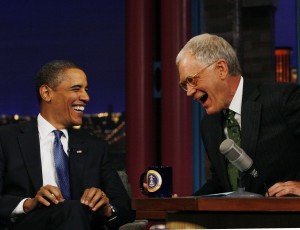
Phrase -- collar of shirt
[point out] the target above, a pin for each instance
(236, 103)
(45, 129)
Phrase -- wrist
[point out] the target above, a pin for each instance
(27, 206)
(114, 212)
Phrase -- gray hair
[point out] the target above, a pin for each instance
(208, 48)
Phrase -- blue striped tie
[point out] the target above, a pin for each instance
(62, 165)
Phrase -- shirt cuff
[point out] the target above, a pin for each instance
(19, 209)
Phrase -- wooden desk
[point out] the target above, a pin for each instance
(196, 212)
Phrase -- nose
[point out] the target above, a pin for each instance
(84, 96)
(190, 91)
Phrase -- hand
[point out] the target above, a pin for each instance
(96, 199)
(288, 188)
(145, 188)
(45, 196)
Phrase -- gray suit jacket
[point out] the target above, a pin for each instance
(21, 172)
(270, 133)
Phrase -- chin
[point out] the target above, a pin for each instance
(76, 122)
(211, 111)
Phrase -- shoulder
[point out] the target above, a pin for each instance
(85, 136)
(275, 87)
(273, 91)
(27, 126)
(212, 121)
(281, 93)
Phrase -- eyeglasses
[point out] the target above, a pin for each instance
(192, 80)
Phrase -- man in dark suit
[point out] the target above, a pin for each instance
(268, 115)
(30, 193)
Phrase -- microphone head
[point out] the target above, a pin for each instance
(226, 145)
(237, 157)
(231, 150)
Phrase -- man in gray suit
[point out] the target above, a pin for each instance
(31, 194)
(268, 115)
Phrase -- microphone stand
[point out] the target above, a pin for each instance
(241, 189)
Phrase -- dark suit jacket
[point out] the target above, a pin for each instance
(270, 133)
(21, 172)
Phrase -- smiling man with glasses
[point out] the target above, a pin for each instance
(267, 116)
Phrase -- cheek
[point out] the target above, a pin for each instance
(217, 97)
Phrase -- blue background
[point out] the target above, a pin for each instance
(91, 33)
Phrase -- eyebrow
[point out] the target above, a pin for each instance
(77, 86)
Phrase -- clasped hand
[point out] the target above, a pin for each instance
(94, 198)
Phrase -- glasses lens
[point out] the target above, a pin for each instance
(190, 80)
(183, 85)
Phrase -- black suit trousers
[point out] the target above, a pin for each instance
(63, 216)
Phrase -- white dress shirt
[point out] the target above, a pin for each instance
(46, 149)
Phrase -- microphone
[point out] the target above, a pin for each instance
(238, 157)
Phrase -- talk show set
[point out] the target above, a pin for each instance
(150, 115)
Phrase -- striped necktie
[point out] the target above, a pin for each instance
(234, 133)
(62, 165)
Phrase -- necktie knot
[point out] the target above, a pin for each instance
(233, 127)
(229, 114)
(58, 133)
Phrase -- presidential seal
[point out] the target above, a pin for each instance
(154, 180)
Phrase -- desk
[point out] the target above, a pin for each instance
(220, 212)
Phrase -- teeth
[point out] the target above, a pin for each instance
(79, 108)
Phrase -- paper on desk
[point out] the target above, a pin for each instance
(217, 194)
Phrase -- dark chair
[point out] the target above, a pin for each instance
(137, 224)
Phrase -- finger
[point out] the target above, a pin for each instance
(279, 189)
(288, 190)
(103, 202)
(98, 197)
(145, 185)
(82, 199)
(273, 192)
(56, 194)
(89, 194)
(145, 190)
(42, 198)
(49, 194)
(274, 189)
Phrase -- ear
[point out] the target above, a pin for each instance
(45, 92)
(222, 68)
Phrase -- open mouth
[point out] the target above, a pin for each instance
(203, 98)
(79, 108)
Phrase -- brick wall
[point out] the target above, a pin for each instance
(248, 25)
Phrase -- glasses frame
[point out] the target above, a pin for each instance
(191, 80)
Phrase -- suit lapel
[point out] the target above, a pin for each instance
(214, 139)
(77, 156)
(30, 150)
(251, 115)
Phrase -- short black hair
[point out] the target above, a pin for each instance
(50, 74)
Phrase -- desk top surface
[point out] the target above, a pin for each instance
(282, 204)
